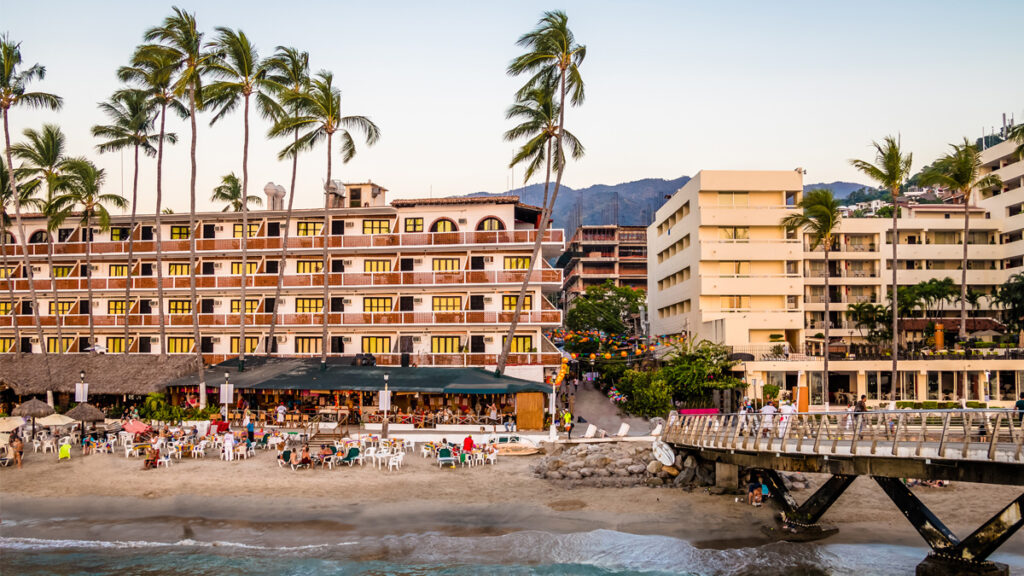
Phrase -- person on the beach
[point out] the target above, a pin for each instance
(306, 458)
(324, 454)
(467, 444)
(567, 419)
(858, 412)
(152, 455)
(250, 431)
(281, 410)
(492, 413)
(19, 449)
(768, 420)
(229, 446)
(754, 492)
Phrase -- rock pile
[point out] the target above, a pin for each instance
(617, 464)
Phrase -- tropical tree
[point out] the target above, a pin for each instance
(891, 169)
(14, 92)
(318, 117)
(230, 191)
(6, 207)
(287, 77)
(868, 316)
(152, 71)
(1017, 135)
(1011, 297)
(87, 201)
(819, 217)
(42, 156)
(133, 114)
(240, 75)
(961, 171)
(179, 40)
(552, 57)
(606, 308)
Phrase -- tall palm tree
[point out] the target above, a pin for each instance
(6, 207)
(961, 171)
(14, 82)
(318, 114)
(240, 75)
(42, 156)
(552, 56)
(820, 217)
(152, 72)
(891, 169)
(287, 76)
(178, 38)
(133, 115)
(230, 191)
(86, 199)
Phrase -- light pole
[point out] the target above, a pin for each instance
(386, 405)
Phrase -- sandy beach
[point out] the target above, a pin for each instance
(109, 497)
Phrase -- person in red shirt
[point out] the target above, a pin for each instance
(467, 444)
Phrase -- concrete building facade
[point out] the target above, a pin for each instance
(597, 253)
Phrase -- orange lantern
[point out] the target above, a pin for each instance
(624, 354)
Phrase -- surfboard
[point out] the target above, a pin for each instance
(663, 453)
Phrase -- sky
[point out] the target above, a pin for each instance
(671, 87)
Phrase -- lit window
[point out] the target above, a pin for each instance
(64, 308)
(517, 262)
(117, 270)
(508, 302)
(491, 224)
(444, 225)
(376, 227)
(6, 272)
(180, 345)
(310, 228)
(180, 307)
(447, 303)
(53, 343)
(179, 232)
(376, 344)
(309, 305)
(118, 235)
(250, 268)
(735, 302)
(116, 307)
(445, 344)
(250, 306)
(177, 269)
(734, 233)
(378, 304)
(377, 266)
(254, 230)
(446, 264)
(250, 345)
(520, 344)
(62, 271)
(308, 345)
(414, 224)
(309, 267)
(115, 344)
(6, 345)
(5, 308)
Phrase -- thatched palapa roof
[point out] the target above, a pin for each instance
(86, 412)
(34, 408)
(105, 373)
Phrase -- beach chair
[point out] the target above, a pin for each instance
(591, 431)
(623, 430)
(396, 461)
(49, 445)
(286, 456)
(492, 457)
(64, 453)
(444, 456)
(6, 458)
(353, 456)
(409, 446)
(262, 442)
(165, 459)
(299, 466)
(199, 450)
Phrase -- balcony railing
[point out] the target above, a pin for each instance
(467, 359)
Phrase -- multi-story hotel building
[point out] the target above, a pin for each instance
(430, 281)
(724, 269)
(599, 253)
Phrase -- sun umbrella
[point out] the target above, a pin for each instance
(10, 423)
(136, 427)
(86, 412)
(33, 409)
(56, 420)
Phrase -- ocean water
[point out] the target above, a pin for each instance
(597, 553)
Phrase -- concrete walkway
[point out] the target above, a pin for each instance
(598, 410)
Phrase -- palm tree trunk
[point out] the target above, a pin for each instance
(284, 250)
(131, 257)
(23, 239)
(159, 241)
(541, 229)
(245, 236)
(88, 276)
(963, 273)
(53, 286)
(547, 177)
(828, 324)
(895, 298)
(197, 346)
(8, 277)
(326, 271)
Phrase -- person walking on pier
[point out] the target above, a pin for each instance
(1019, 406)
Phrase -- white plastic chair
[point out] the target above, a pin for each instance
(396, 461)
(49, 445)
(410, 446)
(164, 459)
(492, 457)
(199, 450)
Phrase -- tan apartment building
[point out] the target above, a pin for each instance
(723, 269)
(429, 282)
(598, 253)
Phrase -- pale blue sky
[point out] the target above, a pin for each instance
(672, 87)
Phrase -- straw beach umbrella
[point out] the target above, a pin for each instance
(10, 423)
(86, 412)
(55, 420)
(33, 409)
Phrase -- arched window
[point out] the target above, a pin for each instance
(444, 225)
(490, 224)
(38, 237)
(9, 238)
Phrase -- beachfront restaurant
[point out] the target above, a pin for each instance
(347, 393)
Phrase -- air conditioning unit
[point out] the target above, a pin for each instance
(462, 221)
(488, 338)
(154, 339)
(417, 261)
(350, 224)
(215, 339)
(34, 340)
(415, 338)
(346, 338)
(94, 268)
(487, 298)
(153, 303)
(218, 228)
(282, 339)
(216, 302)
(37, 268)
(488, 259)
(417, 300)
(346, 301)
(218, 265)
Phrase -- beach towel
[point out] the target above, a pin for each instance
(65, 452)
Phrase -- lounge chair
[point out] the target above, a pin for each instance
(444, 456)
(262, 442)
(352, 456)
(6, 458)
(299, 466)
(285, 457)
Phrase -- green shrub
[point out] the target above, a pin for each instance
(977, 405)
(902, 405)
(770, 391)
(949, 405)
(654, 399)
(930, 405)
(984, 344)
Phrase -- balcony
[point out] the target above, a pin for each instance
(468, 359)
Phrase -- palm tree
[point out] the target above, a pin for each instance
(961, 171)
(6, 206)
(552, 56)
(287, 76)
(42, 156)
(152, 72)
(318, 113)
(230, 191)
(133, 116)
(820, 217)
(14, 81)
(891, 169)
(180, 40)
(240, 74)
(85, 197)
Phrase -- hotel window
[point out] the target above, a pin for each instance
(180, 307)
(310, 228)
(177, 269)
(6, 272)
(376, 227)
(444, 225)
(376, 266)
(5, 308)
(250, 306)
(733, 199)
(444, 345)
(250, 268)
(115, 344)
(118, 234)
(414, 224)
(734, 268)
(520, 344)
(180, 345)
(254, 230)
(117, 270)
(179, 232)
(491, 224)
(308, 345)
(517, 262)
(378, 304)
(508, 302)
(735, 302)
(309, 267)
(446, 264)
(736, 233)
(355, 197)
(376, 344)
(61, 271)
(447, 303)
(250, 344)
(116, 307)
(309, 305)
(6, 345)
(64, 307)
(53, 343)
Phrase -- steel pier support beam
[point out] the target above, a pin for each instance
(814, 507)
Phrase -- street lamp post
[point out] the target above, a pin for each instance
(386, 401)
